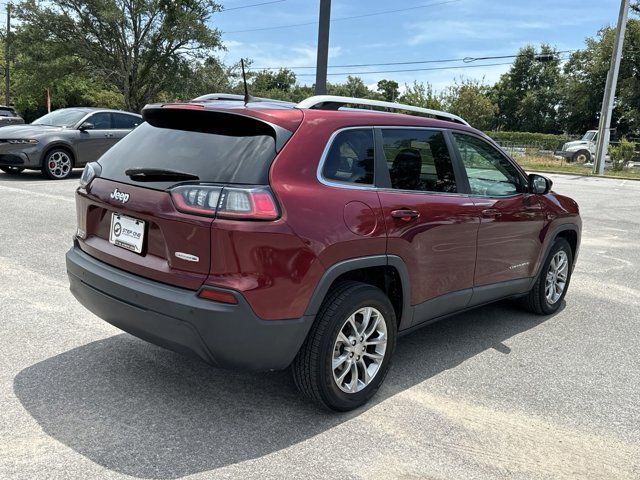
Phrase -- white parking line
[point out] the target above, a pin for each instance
(37, 194)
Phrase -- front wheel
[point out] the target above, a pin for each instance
(581, 156)
(12, 170)
(58, 164)
(347, 353)
(552, 283)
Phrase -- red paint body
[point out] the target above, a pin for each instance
(276, 265)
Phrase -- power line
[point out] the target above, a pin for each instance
(315, 22)
(252, 5)
(416, 62)
(455, 67)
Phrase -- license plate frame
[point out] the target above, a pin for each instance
(127, 232)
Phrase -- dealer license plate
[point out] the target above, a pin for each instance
(127, 232)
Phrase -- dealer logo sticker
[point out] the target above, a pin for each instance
(118, 195)
(117, 229)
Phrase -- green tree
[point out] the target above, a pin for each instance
(353, 87)
(389, 89)
(470, 99)
(585, 76)
(421, 95)
(528, 95)
(138, 46)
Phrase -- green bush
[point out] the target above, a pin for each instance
(621, 154)
(543, 141)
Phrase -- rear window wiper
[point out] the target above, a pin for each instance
(158, 175)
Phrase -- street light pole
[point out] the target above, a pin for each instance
(323, 47)
(7, 83)
(604, 129)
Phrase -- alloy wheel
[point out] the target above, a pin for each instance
(557, 277)
(59, 164)
(359, 350)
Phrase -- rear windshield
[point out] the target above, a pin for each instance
(5, 112)
(227, 149)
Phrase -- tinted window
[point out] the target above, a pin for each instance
(101, 121)
(350, 158)
(489, 172)
(5, 112)
(418, 160)
(238, 154)
(124, 121)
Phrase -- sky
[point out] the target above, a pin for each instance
(425, 30)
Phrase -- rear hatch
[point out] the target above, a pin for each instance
(150, 208)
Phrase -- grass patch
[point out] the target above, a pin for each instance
(556, 165)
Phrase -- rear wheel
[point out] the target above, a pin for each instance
(12, 170)
(58, 164)
(552, 283)
(347, 353)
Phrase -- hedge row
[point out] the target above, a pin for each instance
(544, 141)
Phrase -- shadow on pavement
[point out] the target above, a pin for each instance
(143, 411)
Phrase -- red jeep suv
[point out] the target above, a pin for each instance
(264, 235)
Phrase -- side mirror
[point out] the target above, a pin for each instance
(86, 126)
(539, 184)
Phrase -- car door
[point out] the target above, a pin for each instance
(509, 237)
(431, 222)
(95, 140)
(122, 124)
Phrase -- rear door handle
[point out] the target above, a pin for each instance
(405, 215)
(491, 213)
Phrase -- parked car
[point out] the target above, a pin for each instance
(8, 116)
(267, 235)
(63, 140)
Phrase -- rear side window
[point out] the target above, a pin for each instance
(217, 148)
(418, 160)
(350, 158)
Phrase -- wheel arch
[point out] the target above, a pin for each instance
(571, 233)
(59, 145)
(387, 272)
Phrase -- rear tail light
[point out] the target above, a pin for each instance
(251, 203)
(91, 171)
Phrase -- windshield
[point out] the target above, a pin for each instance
(590, 135)
(65, 117)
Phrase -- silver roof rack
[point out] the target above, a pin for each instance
(332, 102)
(236, 98)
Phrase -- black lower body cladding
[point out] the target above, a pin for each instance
(230, 336)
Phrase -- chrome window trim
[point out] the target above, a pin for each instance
(355, 186)
(336, 183)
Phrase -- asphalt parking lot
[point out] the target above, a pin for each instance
(494, 393)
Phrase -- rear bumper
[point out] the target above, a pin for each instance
(230, 336)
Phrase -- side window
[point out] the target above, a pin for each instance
(418, 160)
(122, 121)
(489, 172)
(350, 157)
(101, 120)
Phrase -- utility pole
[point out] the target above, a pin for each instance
(6, 57)
(323, 47)
(604, 129)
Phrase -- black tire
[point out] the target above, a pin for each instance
(581, 156)
(57, 164)
(12, 170)
(312, 368)
(536, 301)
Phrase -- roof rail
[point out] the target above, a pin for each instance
(235, 98)
(332, 102)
